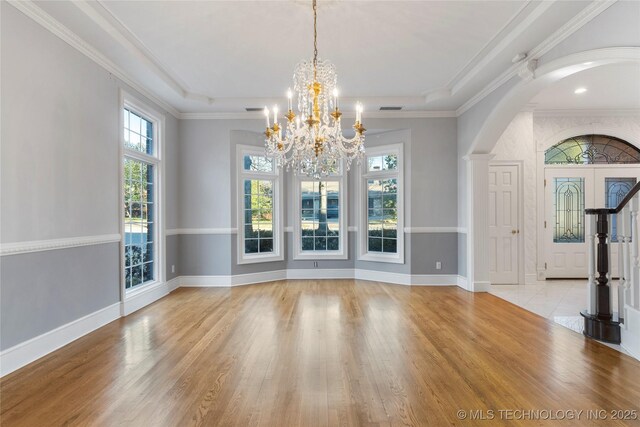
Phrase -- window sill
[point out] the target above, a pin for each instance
(374, 257)
(258, 259)
(311, 255)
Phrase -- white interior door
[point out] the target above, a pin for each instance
(568, 191)
(504, 228)
(611, 186)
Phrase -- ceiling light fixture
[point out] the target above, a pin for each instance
(580, 90)
(313, 143)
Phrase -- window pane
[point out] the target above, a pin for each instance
(382, 212)
(592, 149)
(250, 246)
(138, 133)
(375, 245)
(266, 245)
(138, 222)
(307, 243)
(319, 214)
(569, 210)
(615, 191)
(258, 216)
(258, 163)
(380, 163)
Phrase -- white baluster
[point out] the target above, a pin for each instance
(610, 272)
(591, 287)
(634, 290)
(623, 256)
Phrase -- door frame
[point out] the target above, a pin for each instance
(520, 168)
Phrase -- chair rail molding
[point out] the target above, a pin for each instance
(18, 248)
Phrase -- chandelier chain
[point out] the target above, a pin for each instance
(312, 143)
(315, 35)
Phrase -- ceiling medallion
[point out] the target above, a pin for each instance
(313, 143)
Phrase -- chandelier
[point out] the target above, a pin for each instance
(313, 143)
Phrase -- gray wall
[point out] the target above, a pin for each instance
(60, 165)
(44, 290)
(430, 156)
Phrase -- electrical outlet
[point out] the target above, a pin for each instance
(173, 268)
(438, 265)
(315, 264)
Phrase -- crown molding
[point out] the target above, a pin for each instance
(459, 82)
(106, 20)
(594, 9)
(628, 112)
(18, 248)
(125, 37)
(30, 9)
(349, 115)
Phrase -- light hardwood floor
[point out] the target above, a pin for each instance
(320, 353)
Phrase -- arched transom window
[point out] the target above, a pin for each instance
(592, 150)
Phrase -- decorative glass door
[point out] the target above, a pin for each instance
(567, 194)
(568, 191)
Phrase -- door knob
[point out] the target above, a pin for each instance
(513, 231)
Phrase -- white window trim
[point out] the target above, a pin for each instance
(363, 253)
(132, 103)
(278, 228)
(343, 252)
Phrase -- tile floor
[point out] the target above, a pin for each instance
(557, 300)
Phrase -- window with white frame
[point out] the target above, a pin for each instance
(382, 214)
(259, 211)
(140, 180)
(321, 217)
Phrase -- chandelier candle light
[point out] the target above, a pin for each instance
(313, 143)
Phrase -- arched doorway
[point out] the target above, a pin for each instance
(495, 117)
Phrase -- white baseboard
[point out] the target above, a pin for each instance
(479, 286)
(321, 274)
(173, 284)
(434, 279)
(462, 282)
(226, 281)
(630, 331)
(26, 352)
(325, 273)
(382, 276)
(143, 297)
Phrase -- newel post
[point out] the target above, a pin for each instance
(603, 293)
(601, 325)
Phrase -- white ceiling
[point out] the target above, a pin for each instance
(608, 87)
(223, 56)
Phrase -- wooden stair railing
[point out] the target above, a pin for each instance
(600, 320)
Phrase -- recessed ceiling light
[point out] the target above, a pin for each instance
(587, 63)
(580, 90)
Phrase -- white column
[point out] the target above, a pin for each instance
(478, 222)
(591, 255)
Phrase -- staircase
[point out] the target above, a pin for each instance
(601, 322)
